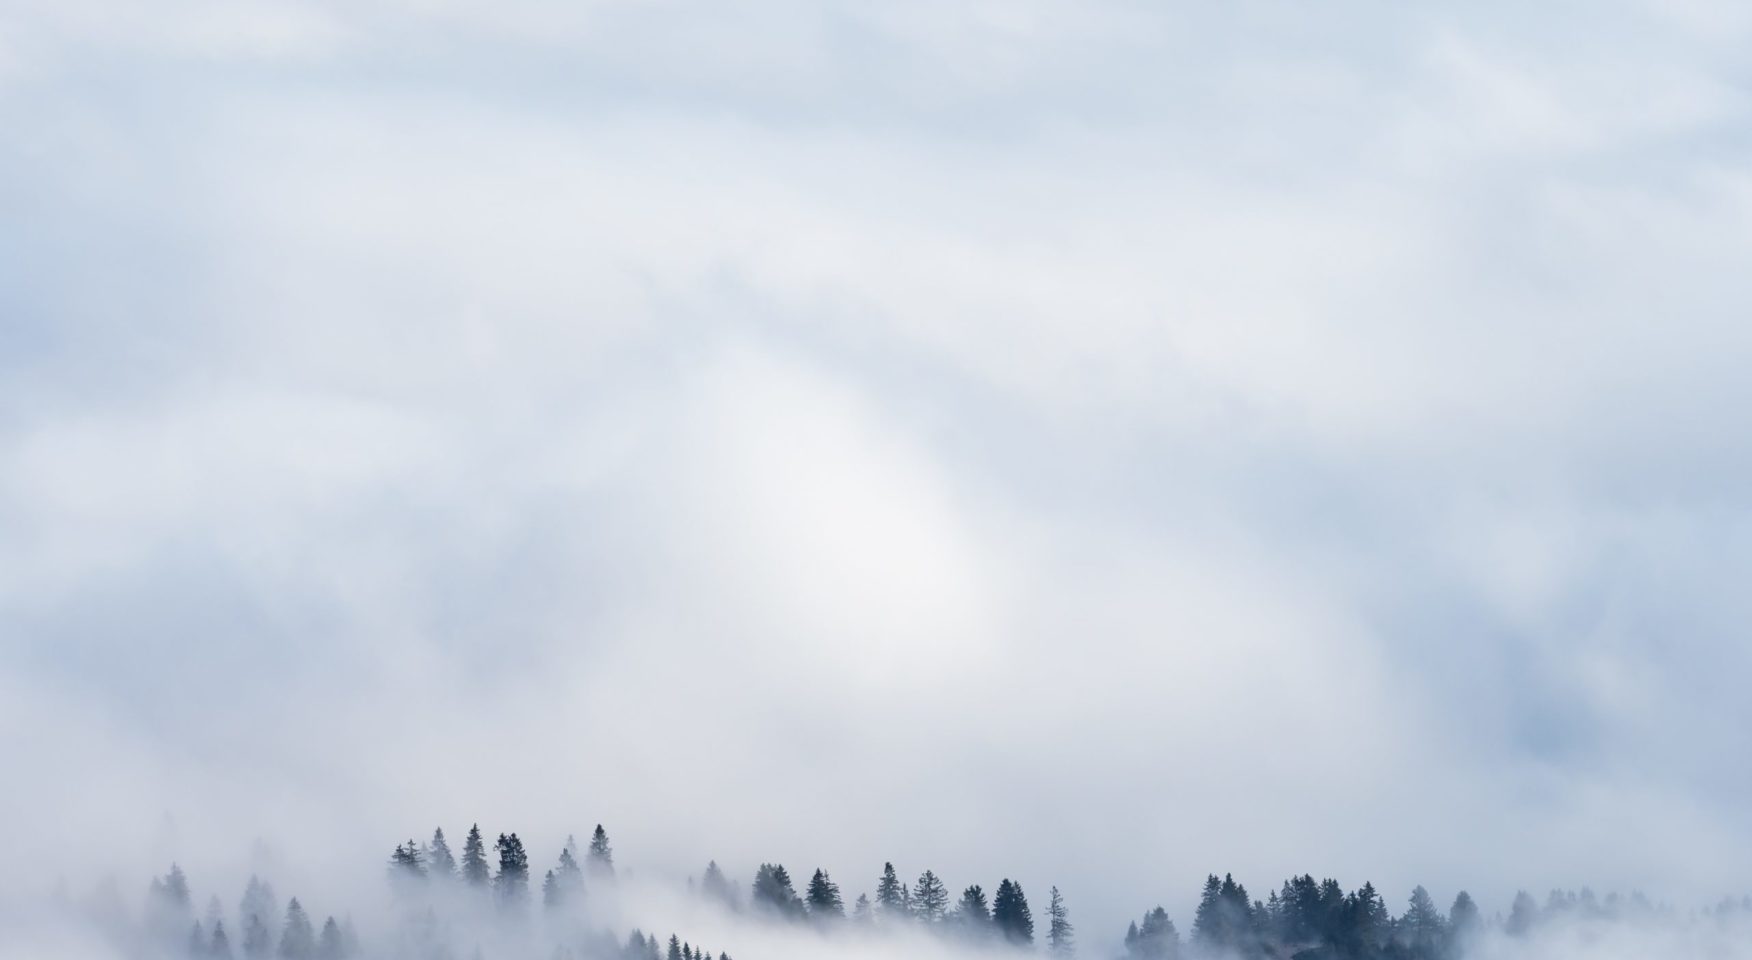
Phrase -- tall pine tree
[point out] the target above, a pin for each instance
(297, 938)
(930, 900)
(823, 898)
(601, 858)
(972, 915)
(476, 871)
(1010, 913)
(1060, 935)
(440, 864)
(512, 882)
(890, 894)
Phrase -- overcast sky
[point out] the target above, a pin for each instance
(1092, 443)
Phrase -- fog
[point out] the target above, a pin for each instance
(1093, 444)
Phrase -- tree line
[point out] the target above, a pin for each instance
(1302, 919)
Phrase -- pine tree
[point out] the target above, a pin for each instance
(331, 945)
(568, 878)
(1010, 913)
(773, 892)
(1368, 919)
(890, 894)
(407, 868)
(1422, 923)
(601, 856)
(1060, 935)
(715, 886)
(930, 899)
(824, 899)
(440, 864)
(1522, 915)
(972, 915)
(259, 903)
(257, 941)
(219, 948)
(1154, 939)
(512, 882)
(475, 870)
(197, 940)
(674, 947)
(862, 913)
(176, 886)
(1207, 920)
(168, 912)
(297, 939)
(550, 891)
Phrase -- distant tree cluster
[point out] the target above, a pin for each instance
(925, 904)
(267, 932)
(1309, 920)
(1303, 919)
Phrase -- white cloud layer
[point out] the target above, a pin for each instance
(1097, 444)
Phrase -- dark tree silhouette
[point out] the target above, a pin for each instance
(891, 894)
(774, 893)
(1010, 913)
(825, 903)
(930, 899)
(601, 855)
(476, 872)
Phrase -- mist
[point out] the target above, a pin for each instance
(1096, 445)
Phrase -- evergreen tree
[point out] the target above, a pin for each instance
(475, 870)
(259, 903)
(550, 891)
(1060, 934)
(440, 864)
(330, 944)
(1463, 925)
(890, 894)
(568, 878)
(601, 856)
(972, 916)
(930, 899)
(257, 941)
(512, 882)
(1207, 920)
(862, 912)
(674, 947)
(297, 938)
(407, 868)
(168, 911)
(1368, 920)
(824, 898)
(197, 940)
(773, 892)
(1010, 913)
(1422, 924)
(715, 886)
(1522, 915)
(1154, 939)
(176, 886)
(219, 948)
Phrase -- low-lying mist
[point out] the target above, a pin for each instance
(484, 901)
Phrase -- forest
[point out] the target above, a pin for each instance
(483, 902)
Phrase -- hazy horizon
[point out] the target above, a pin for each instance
(1095, 444)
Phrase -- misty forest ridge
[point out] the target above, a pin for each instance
(481, 905)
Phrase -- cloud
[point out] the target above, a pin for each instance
(1098, 446)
